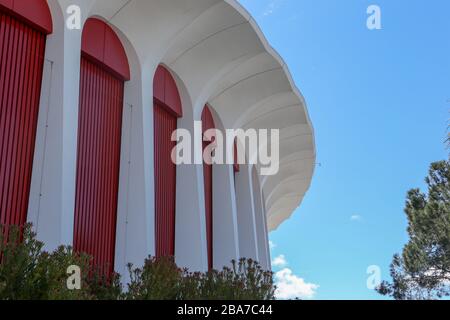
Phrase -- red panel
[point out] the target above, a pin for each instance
(165, 91)
(21, 64)
(208, 177)
(165, 181)
(100, 43)
(208, 123)
(159, 83)
(236, 158)
(8, 4)
(167, 109)
(207, 119)
(172, 96)
(34, 12)
(115, 55)
(93, 39)
(97, 182)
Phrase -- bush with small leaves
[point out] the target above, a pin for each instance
(161, 279)
(27, 272)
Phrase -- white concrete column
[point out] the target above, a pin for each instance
(52, 194)
(190, 221)
(266, 234)
(266, 230)
(261, 228)
(225, 230)
(135, 237)
(248, 246)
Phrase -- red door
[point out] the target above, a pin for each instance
(99, 143)
(208, 177)
(165, 179)
(208, 123)
(22, 51)
(167, 109)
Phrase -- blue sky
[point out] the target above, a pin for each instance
(379, 102)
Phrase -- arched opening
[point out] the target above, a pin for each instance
(166, 111)
(207, 124)
(24, 26)
(104, 70)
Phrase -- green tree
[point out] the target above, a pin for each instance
(422, 271)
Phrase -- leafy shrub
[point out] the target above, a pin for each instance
(161, 279)
(27, 272)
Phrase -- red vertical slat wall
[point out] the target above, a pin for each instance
(236, 167)
(22, 51)
(103, 72)
(208, 180)
(167, 109)
(165, 181)
(208, 123)
(99, 145)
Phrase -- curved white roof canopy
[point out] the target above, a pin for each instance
(222, 57)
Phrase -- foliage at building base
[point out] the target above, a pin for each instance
(27, 272)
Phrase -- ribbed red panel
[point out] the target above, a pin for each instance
(101, 43)
(208, 123)
(34, 12)
(165, 123)
(208, 177)
(99, 144)
(236, 158)
(21, 64)
(165, 91)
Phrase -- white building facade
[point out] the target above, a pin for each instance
(215, 55)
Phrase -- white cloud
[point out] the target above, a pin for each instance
(355, 217)
(279, 261)
(290, 286)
